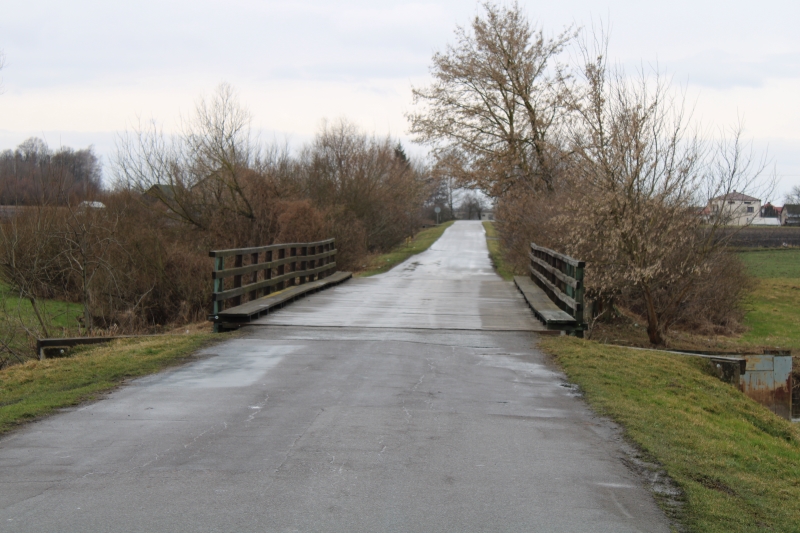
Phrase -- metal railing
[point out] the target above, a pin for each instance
(259, 271)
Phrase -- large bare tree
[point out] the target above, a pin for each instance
(642, 177)
(498, 100)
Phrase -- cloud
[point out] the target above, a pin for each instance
(723, 70)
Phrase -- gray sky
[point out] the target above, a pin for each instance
(78, 71)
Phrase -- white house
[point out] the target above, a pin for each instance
(737, 209)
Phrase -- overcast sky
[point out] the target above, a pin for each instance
(77, 72)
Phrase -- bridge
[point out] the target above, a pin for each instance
(411, 401)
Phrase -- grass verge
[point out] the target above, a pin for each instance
(37, 388)
(502, 268)
(736, 462)
(378, 264)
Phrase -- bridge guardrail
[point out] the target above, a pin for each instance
(561, 278)
(269, 268)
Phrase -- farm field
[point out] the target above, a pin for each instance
(775, 237)
(773, 308)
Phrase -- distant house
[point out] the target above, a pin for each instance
(487, 214)
(770, 211)
(737, 209)
(160, 192)
(790, 215)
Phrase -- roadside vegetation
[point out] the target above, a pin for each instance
(380, 263)
(595, 162)
(134, 258)
(37, 388)
(504, 270)
(735, 461)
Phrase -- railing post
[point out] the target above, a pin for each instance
(237, 279)
(533, 263)
(281, 269)
(292, 267)
(579, 295)
(304, 263)
(333, 257)
(219, 286)
(254, 278)
(268, 272)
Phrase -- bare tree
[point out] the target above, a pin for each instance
(345, 170)
(641, 179)
(472, 206)
(88, 238)
(203, 170)
(794, 195)
(498, 102)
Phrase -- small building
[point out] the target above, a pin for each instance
(737, 209)
(487, 214)
(790, 215)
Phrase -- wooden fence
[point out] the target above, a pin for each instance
(561, 278)
(255, 272)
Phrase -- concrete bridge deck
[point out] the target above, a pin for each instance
(413, 401)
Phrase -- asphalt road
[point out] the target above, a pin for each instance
(415, 401)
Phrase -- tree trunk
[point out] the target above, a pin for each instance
(88, 321)
(654, 330)
(35, 308)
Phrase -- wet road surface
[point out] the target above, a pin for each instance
(413, 401)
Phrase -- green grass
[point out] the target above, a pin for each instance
(495, 254)
(738, 464)
(773, 307)
(37, 388)
(773, 313)
(60, 315)
(773, 263)
(422, 241)
(17, 318)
